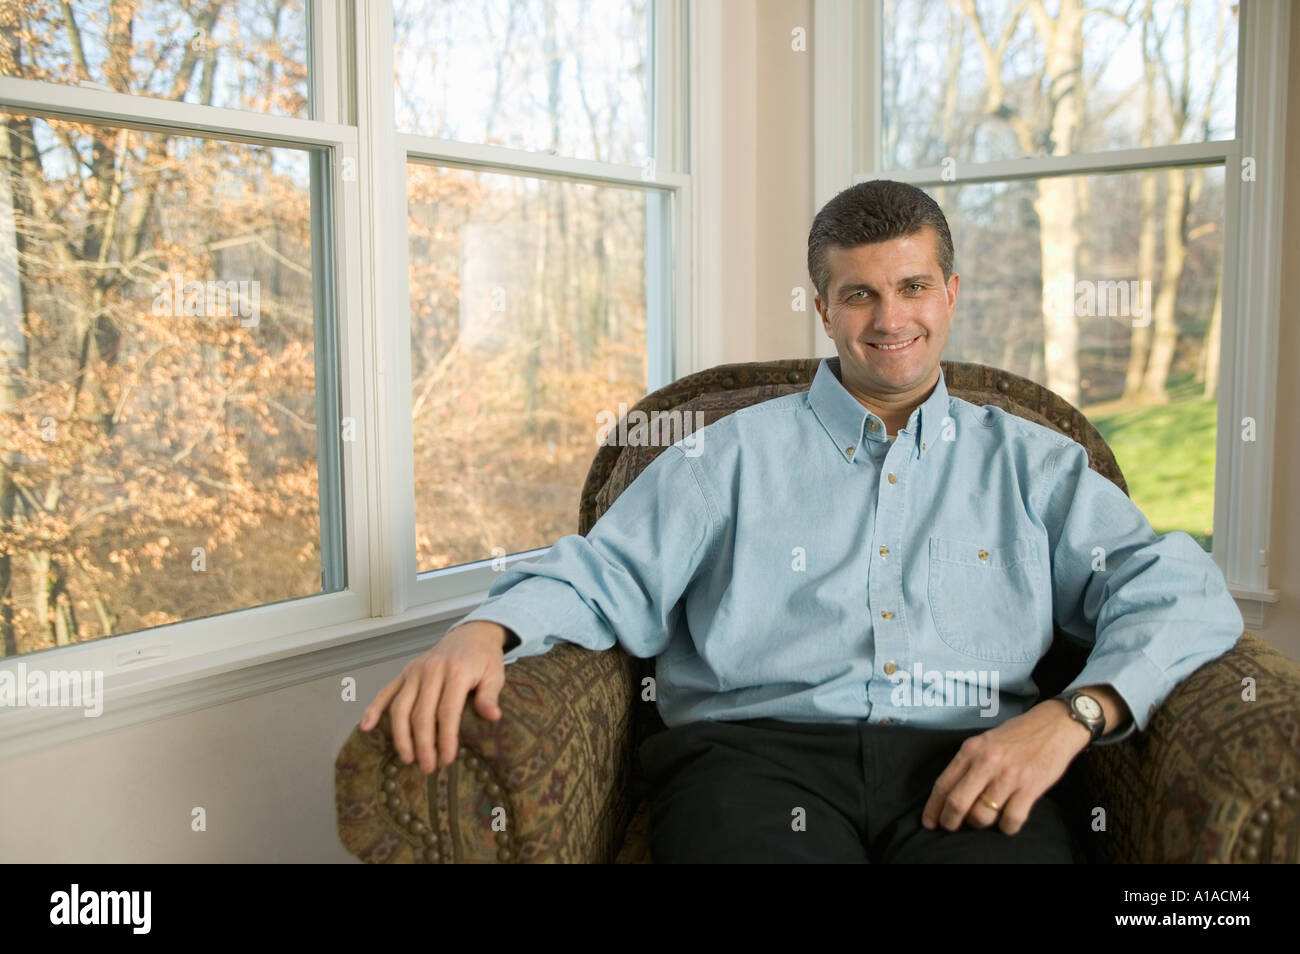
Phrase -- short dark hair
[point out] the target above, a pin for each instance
(870, 212)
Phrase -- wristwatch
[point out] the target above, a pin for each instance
(1085, 708)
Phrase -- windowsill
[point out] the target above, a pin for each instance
(1253, 603)
(144, 693)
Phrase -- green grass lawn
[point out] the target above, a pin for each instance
(1167, 455)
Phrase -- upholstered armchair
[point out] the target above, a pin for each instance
(1213, 779)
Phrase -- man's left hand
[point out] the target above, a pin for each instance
(1012, 765)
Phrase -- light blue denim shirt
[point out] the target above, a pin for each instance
(791, 561)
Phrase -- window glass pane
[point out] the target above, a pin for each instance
(158, 408)
(989, 80)
(528, 319)
(565, 76)
(1119, 314)
(238, 54)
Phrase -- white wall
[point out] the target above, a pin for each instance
(262, 768)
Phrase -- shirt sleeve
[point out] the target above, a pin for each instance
(1155, 608)
(624, 580)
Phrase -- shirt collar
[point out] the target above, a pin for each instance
(846, 420)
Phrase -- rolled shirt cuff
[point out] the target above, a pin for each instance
(538, 612)
(1135, 678)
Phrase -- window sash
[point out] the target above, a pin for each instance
(171, 645)
(661, 195)
(668, 248)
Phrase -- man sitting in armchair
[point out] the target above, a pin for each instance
(847, 590)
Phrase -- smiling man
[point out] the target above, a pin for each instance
(828, 550)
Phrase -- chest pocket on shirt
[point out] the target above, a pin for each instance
(991, 601)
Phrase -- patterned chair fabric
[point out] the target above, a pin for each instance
(1213, 779)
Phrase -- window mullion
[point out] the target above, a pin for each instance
(384, 425)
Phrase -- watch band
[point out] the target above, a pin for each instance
(1110, 738)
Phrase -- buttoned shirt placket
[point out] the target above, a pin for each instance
(885, 582)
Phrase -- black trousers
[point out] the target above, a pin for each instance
(730, 791)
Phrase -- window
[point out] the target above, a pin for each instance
(543, 203)
(307, 312)
(1094, 165)
(162, 409)
(171, 402)
(528, 316)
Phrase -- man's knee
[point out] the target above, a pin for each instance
(1045, 838)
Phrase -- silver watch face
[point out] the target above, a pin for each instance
(1088, 707)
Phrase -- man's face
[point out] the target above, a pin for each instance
(889, 293)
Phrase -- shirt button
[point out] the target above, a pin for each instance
(984, 555)
(893, 479)
(886, 614)
(873, 425)
(886, 721)
(884, 551)
(849, 451)
(890, 668)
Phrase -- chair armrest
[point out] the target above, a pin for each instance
(1215, 778)
(547, 782)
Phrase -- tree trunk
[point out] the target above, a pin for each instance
(1164, 323)
(1140, 340)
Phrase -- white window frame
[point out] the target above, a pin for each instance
(848, 61)
(409, 586)
(387, 610)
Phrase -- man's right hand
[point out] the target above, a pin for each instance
(429, 696)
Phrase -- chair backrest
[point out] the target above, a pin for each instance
(721, 390)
